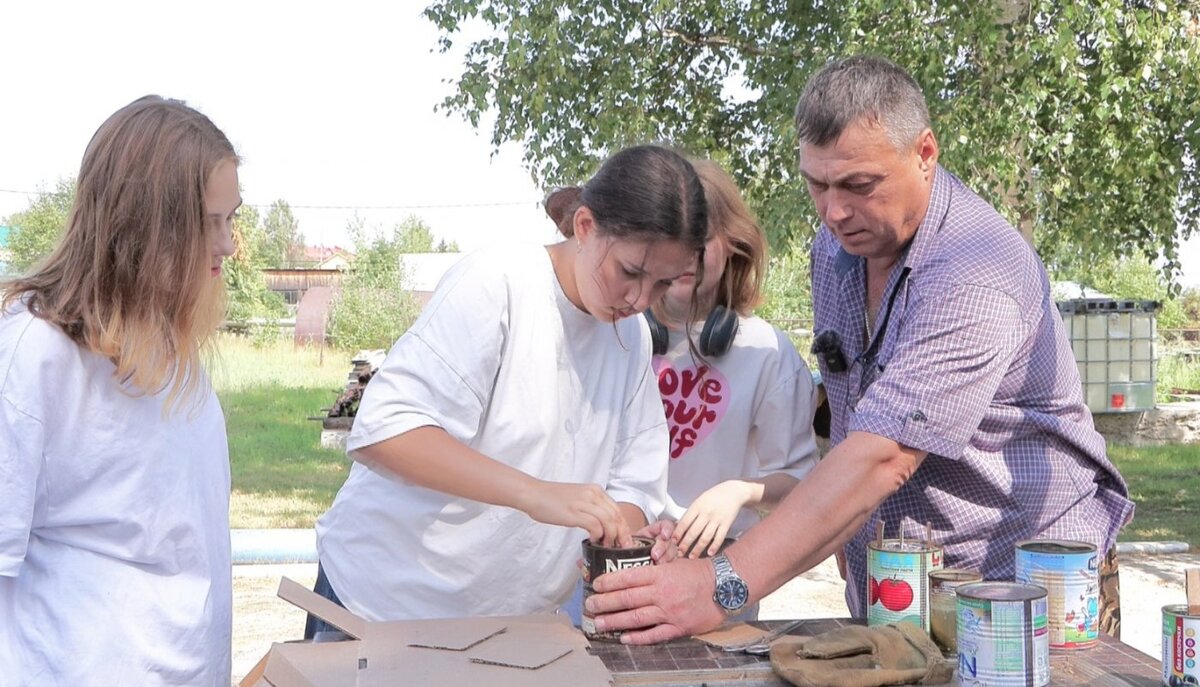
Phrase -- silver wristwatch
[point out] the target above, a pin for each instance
(731, 593)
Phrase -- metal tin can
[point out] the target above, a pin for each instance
(598, 560)
(943, 604)
(898, 581)
(1002, 636)
(1070, 572)
(1181, 633)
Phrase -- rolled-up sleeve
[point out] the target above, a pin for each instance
(954, 349)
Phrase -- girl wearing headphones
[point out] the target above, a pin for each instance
(519, 413)
(738, 398)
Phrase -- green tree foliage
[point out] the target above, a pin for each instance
(787, 291)
(249, 298)
(413, 235)
(36, 230)
(283, 244)
(1077, 119)
(374, 305)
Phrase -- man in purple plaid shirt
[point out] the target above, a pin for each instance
(954, 396)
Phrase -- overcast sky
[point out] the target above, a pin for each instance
(329, 104)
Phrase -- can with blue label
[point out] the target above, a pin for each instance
(1002, 636)
(1070, 573)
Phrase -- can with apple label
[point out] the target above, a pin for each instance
(898, 581)
(1069, 570)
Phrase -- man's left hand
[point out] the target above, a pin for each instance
(656, 603)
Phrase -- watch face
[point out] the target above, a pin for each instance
(732, 594)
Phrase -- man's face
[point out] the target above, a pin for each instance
(870, 195)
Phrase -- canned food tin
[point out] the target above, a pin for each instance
(943, 604)
(598, 560)
(898, 581)
(1002, 635)
(1069, 570)
(1181, 633)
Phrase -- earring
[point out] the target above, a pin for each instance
(578, 246)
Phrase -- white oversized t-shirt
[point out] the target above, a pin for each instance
(745, 415)
(114, 524)
(503, 362)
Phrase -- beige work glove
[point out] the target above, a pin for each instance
(859, 656)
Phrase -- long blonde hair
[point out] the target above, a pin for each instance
(732, 221)
(130, 279)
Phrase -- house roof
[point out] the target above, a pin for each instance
(323, 253)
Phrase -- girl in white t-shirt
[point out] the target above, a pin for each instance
(738, 397)
(518, 415)
(114, 468)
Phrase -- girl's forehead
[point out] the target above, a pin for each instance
(664, 258)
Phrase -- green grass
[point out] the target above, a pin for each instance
(281, 477)
(1164, 482)
(1177, 371)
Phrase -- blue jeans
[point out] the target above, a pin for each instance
(313, 624)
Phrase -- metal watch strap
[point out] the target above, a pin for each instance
(722, 566)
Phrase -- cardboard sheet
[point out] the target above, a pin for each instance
(520, 651)
(455, 637)
(733, 634)
(554, 642)
(1191, 583)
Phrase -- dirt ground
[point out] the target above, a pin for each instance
(1148, 582)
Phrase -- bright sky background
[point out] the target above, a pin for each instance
(329, 104)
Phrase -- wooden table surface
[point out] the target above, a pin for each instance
(689, 662)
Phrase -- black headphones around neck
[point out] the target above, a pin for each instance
(716, 337)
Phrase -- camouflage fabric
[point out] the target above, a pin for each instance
(1110, 595)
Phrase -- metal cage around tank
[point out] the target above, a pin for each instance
(1114, 342)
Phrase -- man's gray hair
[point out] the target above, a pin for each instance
(861, 87)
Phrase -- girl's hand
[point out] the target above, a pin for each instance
(664, 549)
(586, 506)
(703, 527)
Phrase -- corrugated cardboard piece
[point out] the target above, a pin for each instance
(518, 651)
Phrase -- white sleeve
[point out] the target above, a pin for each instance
(639, 471)
(783, 422)
(441, 371)
(21, 461)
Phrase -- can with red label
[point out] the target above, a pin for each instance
(898, 581)
(1181, 641)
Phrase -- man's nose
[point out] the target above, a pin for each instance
(837, 210)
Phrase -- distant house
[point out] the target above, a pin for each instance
(327, 258)
(310, 292)
(292, 284)
(321, 266)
